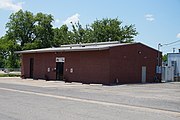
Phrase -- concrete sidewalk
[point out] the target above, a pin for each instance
(37, 83)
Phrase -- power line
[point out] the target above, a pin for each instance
(172, 45)
(171, 42)
(168, 45)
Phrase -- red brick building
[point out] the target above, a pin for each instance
(106, 63)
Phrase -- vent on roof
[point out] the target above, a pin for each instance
(91, 44)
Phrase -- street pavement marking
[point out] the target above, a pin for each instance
(140, 108)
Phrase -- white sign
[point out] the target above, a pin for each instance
(48, 69)
(71, 70)
(60, 59)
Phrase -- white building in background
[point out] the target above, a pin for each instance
(174, 60)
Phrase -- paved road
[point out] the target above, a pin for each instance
(41, 100)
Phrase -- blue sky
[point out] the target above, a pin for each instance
(157, 21)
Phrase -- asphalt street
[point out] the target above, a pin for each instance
(52, 100)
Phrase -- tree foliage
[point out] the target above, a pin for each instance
(7, 57)
(21, 27)
(106, 30)
(26, 30)
(164, 58)
(62, 36)
(43, 30)
(99, 31)
(30, 31)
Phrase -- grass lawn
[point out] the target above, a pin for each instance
(10, 75)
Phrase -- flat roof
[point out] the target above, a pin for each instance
(78, 47)
(173, 54)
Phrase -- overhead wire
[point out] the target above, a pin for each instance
(171, 43)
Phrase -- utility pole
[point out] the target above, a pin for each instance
(159, 45)
(173, 50)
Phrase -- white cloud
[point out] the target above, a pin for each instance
(73, 19)
(149, 17)
(10, 5)
(56, 23)
(178, 35)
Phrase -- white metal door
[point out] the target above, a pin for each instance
(143, 74)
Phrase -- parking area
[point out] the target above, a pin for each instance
(161, 100)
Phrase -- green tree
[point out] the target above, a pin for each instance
(102, 31)
(34, 45)
(25, 31)
(112, 30)
(79, 33)
(7, 49)
(164, 58)
(43, 30)
(99, 31)
(2, 53)
(128, 33)
(62, 36)
(30, 31)
(21, 27)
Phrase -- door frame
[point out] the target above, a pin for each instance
(60, 68)
(31, 68)
(143, 74)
